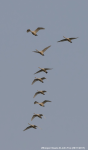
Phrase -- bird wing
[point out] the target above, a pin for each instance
(45, 49)
(34, 81)
(39, 127)
(44, 117)
(45, 101)
(48, 68)
(39, 28)
(73, 38)
(30, 124)
(36, 94)
(27, 128)
(62, 40)
(33, 117)
(39, 71)
(28, 30)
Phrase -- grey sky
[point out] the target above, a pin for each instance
(66, 122)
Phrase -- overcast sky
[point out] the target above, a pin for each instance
(66, 122)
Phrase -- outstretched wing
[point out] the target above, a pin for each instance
(27, 128)
(39, 127)
(48, 68)
(38, 71)
(36, 94)
(45, 49)
(73, 38)
(33, 117)
(45, 101)
(44, 116)
(62, 40)
(34, 81)
(39, 28)
(30, 124)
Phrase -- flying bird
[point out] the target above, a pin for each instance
(43, 69)
(37, 115)
(42, 52)
(67, 39)
(42, 103)
(31, 126)
(39, 92)
(35, 31)
(38, 79)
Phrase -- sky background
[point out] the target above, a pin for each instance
(66, 122)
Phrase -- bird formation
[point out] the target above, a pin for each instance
(43, 78)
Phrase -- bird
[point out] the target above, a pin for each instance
(35, 31)
(39, 92)
(38, 79)
(31, 126)
(37, 115)
(43, 69)
(42, 103)
(67, 39)
(42, 52)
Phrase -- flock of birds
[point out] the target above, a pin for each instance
(43, 78)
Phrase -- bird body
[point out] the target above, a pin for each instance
(43, 69)
(38, 79)
(31, 126)
(42, 52)
(67, 39)
(36, 115)
(35, 31)
(39, 92)
(42, 103)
